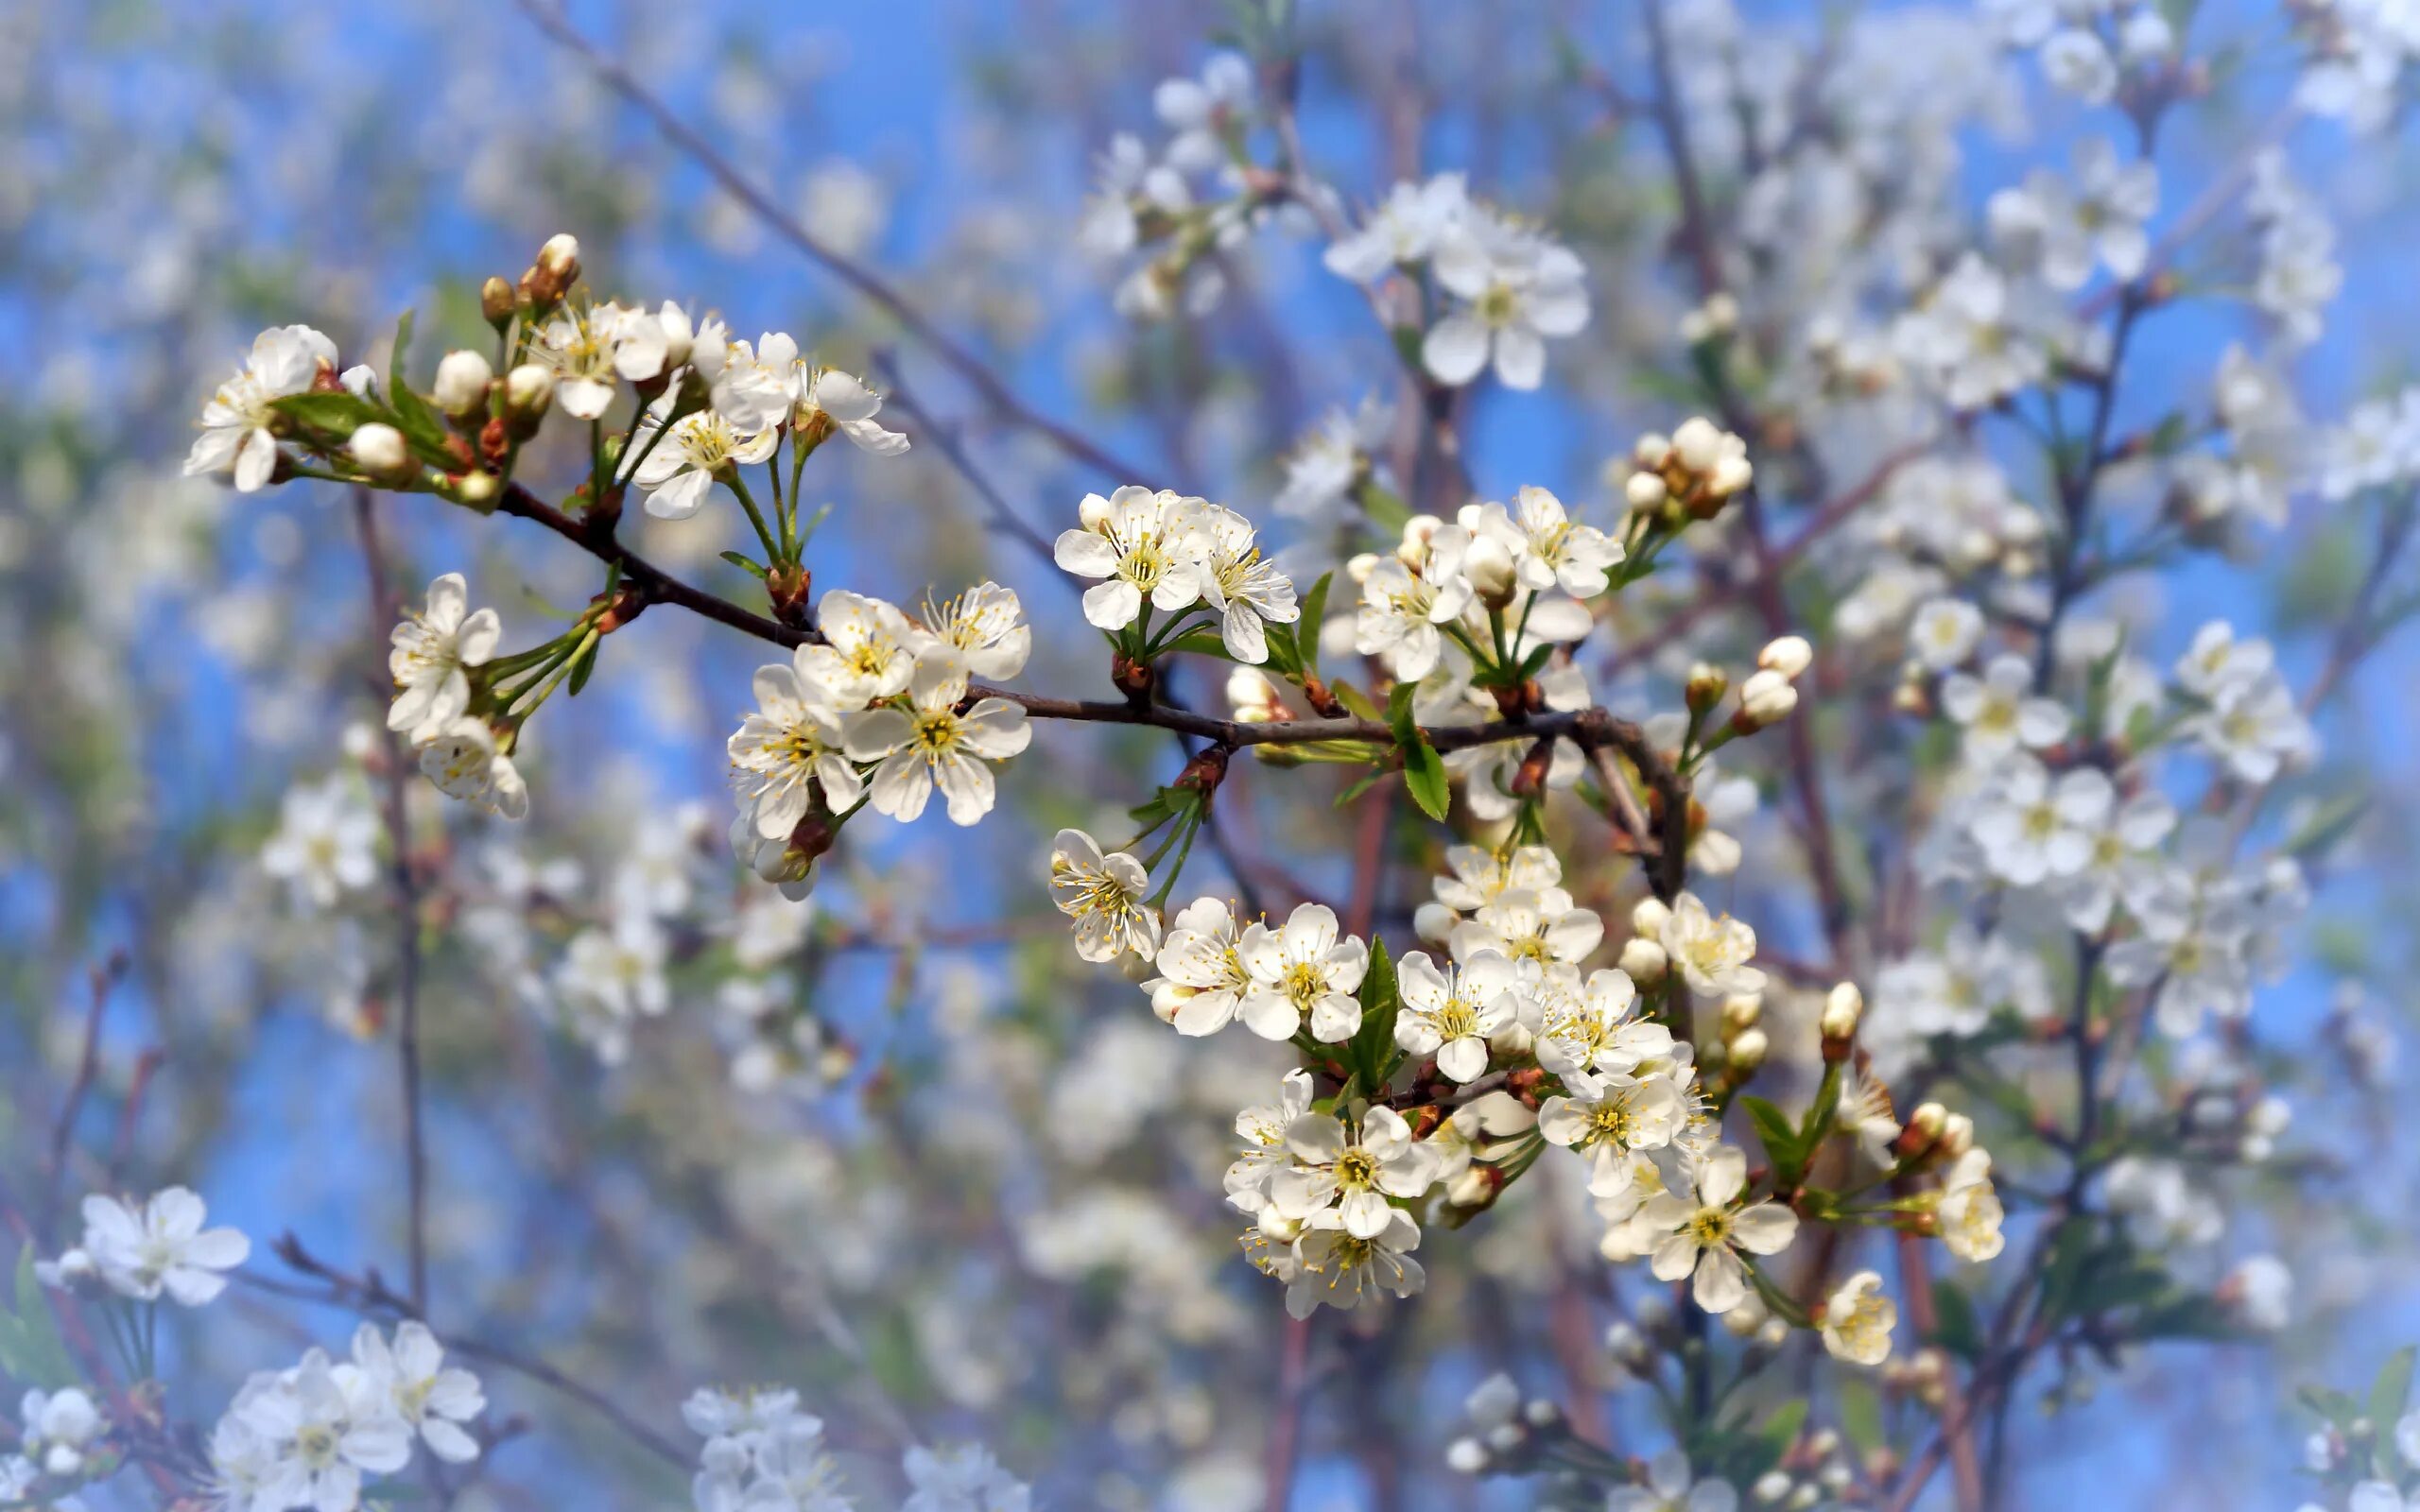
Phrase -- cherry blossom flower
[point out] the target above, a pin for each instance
(431, 1397)
(1305, 971)
(432, 652)
(236, 436)
(1451, 1013)
(931, 744)
(789, 747)
(155, 1248)
(1857, 1319)
(1137, 540)
(1705, 1227)
(1104, 894)
(697, 451)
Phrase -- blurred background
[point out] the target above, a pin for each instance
(893, 1146)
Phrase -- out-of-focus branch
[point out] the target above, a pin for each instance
(996, 394)
(384, 613)
(368, 1294)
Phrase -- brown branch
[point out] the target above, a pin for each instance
(996, 393)
(385, 611)
(88, 1066)
(369, 1294)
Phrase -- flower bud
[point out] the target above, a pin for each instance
(1748, 1049)
(1705, 687)
(1789, 655)
(478, 491)
(497, 301)
(1698, 444)
(1466, 1456)
(1643, 961)
(379, 450)
(561, 256)
(1766, 699)
(1742, 1010)
(1957, 1136)
(1652, 451)
(1842, 1006)
(1649, 917)
(1489, 563)
(528, 389)
(1645, 491)
(462, 379)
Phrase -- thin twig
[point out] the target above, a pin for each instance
(997, 393)
(385, 613)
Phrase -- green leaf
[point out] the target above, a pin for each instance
(2388, 1390)
(1356, 701)
(1305, 634)
(395, 353)
(2338, 1409)
(1284, 658)
(1424, 770)
(31, 1351)
(1372, 1047)
(1780, 1137)
(1860, 1411)
(338, 414)
(744, 564)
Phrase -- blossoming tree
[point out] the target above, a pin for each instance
(1762, 931)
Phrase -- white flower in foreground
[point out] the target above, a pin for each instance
(1623, 1116)
(1581, 1031)
(159, 1247)
(830, 400)
(1704, 1228)
(1305, 971)
(1354, 1173)
(1533, 924)
(985, 627)
(930, 744)
(1668, 1488)
(431, 651)
(1516, 289)
(869, 649)
(1247, 591)
(1857, 1320)
(236, 436)
(464, 760)
(1711, 952)
(1104, 894)
(1138, 541)
(324, 1431)
(2000, 710)
(431, 1397)
(1204, 982)
(585, 350)
(1263, 1131)
(1338, 1268)
(791, 745)
(1452, 1013)
(959, 1478)
(1970, 1209)
(60, 1426)
(1549, 548)
(1406, 597)
(327, 843)
(700, 449)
